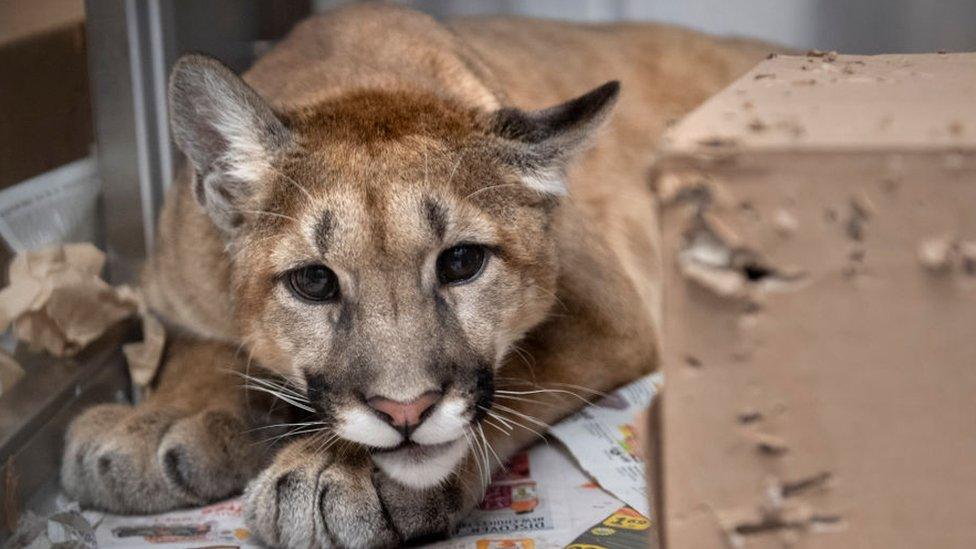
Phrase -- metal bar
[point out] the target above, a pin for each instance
(128, 60)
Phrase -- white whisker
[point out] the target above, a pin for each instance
(474, 454)
(295, 183)
(492, 450)
(496, 426)
(489, 187)
(521, 415)
(281, 397)
(293, 432)
(454, 169)
(508, 420)
(327, 443)
(272, 214)
(552, 383)
(278, 425)
(523, 399)
(499, 392)
(496, 416)
(530, 364)
(294, 393)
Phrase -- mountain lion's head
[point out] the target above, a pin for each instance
(388, 247)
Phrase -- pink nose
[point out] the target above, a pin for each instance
(404, 415)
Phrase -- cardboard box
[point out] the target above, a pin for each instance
(819, 221)
(45, 112)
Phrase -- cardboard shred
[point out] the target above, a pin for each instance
(57, 302)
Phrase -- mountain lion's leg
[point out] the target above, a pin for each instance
(188, 444)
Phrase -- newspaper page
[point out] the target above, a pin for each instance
(543, 501)
(219, 524)
(602, 439)
(56, 206)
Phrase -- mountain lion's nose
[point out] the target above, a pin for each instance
(404, 416)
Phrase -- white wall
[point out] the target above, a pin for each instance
(852, 26)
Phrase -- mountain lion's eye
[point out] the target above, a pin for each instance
(460, 263)
(314, 283)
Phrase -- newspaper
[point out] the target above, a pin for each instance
(54, 207)
(602, 438)
(542, 499)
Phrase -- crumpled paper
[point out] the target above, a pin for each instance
(57, 302)
(145, 356)
(68, 527)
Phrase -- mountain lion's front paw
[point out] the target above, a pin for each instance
(145, 460)
(311, 499)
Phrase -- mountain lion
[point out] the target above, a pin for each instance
(411, 236)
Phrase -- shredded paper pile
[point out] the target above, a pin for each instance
(57, 302)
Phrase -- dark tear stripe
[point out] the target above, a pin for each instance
(436, 218)
(323, 231)
(446, 318)
(385, 511)
(485, 387)
(344, 322)
(444, 314)
(316, 389)
(450, 323)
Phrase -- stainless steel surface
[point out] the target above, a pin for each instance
(127, 120)
(34, 415)
(132, 45)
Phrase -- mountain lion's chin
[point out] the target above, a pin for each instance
(419, 465)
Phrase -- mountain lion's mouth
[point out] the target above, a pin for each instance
(415, 450)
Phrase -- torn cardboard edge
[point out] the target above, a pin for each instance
(712, 254)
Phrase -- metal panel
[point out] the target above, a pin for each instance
(127, 66)
(33, 418)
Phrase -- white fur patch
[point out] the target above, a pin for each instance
(421, 472)
(444, 424)
(547, 182)
(365, 428)
(246, 156)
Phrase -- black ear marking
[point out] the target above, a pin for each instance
(226, 130)
(581, 113)
(542, 142)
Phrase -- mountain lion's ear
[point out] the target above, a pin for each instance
(543, 141)
(227, 131)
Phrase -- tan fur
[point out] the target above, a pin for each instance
(381, 100)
